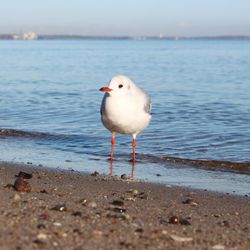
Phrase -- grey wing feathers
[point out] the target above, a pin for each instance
(148, 105)
(102, 109)
(147, 101)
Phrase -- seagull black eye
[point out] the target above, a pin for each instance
(120, 86)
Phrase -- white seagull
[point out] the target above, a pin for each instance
(125, 109)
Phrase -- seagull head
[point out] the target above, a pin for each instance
(118, 86)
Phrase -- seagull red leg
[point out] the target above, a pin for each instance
(133, 148)
(112, 147)
(112, 154)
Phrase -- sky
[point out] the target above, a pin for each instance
(126, 17)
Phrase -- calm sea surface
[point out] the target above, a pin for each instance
(200, 92)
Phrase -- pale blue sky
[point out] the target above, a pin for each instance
(126, 17)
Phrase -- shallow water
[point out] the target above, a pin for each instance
(201, 105)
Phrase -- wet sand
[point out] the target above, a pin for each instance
(56, 209)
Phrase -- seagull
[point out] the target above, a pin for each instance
(125, 109)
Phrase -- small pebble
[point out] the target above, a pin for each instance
(164, 232)
(97, 232)
(124, 177)
(118, 216)
(178, 221)
(91, 204)
(164, 222)
(76, 230)
(95, 173)
(139, 230)
(119, 210)
(21, 185)
(44, 191)
(39, 242)
(44, 216)
(174, 220)
(185, 222)
(57, 224)
(190, 202)
(133, 192)
(41, 226)
(181, 239)
(59, 207)
(17, 197)
(216, 215)
(129, 199)
(117, 203)
(42, 236)
(88, 203)
(218, 247)
(83, 201)
(77, 213)
(55, 244)
(142, 195)
(24, 175)
(224, 223)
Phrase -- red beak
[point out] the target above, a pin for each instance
(105, 89)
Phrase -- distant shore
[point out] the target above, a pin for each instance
(45, 208)
(85, 37)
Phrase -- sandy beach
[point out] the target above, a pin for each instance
(43, 208)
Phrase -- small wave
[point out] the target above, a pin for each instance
(43, 135)
(215, 165)
(25, 134)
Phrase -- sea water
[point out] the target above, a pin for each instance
(200, 90)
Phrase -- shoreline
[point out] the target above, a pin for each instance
(74, 210)
(238, 167)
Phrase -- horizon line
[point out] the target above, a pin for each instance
(11, 36)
